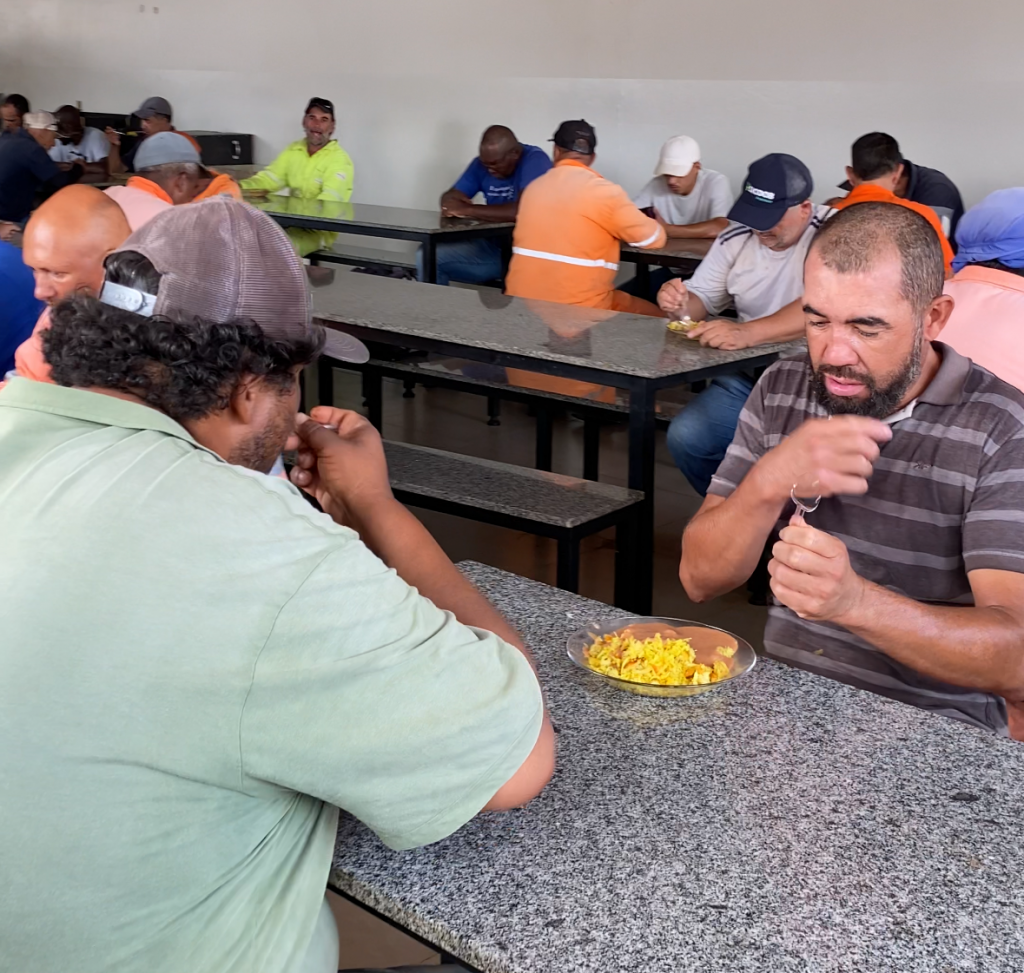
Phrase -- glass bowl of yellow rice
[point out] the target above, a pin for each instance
(661, 656)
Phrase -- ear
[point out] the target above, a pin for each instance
(244, 402)
(851, 177)
(697, 166)
(937, 315)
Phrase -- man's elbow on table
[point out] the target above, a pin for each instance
(532, 776)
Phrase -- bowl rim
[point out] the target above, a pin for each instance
(627, 620)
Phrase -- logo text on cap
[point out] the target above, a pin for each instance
(762, 195)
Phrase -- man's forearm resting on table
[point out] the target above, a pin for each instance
(979, 647)
(705, 230)
(786, 324)
(724, 541)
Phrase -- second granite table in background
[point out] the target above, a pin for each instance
(627, 351)
(786, 824)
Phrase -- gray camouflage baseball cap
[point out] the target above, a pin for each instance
(222, 260)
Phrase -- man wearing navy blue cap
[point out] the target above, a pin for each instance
(756, 267)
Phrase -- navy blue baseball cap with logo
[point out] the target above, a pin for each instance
(773, 185)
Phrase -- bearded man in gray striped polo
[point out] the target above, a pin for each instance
(907, 577)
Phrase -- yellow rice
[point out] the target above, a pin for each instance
(656, 661)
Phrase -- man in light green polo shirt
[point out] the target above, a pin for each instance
(197, 668)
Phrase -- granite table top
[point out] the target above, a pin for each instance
(621, 345)
(784, 823)
(419, 221)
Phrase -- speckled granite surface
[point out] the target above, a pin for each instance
(787, 823)
(547, 497)
(367, 214)
(622, 344)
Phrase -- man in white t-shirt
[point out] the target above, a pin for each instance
(691, 202)
(77, 142)
(756, 267)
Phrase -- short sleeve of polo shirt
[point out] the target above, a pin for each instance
(993, 531)
(747, 446)
(369, 697)
(471, 181)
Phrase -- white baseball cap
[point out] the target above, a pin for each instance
(677, 156)
(40, 120)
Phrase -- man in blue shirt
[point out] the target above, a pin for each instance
(503, 169)
(19, 309)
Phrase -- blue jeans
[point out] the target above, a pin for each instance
(468, 261)
(699, 436)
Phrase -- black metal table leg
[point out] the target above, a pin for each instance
(373, 393)
(567, 575)
(641, 477)
(493, 410)
(643, 279)
(325, 380)
(625, 560)
(430, 260)
(544, 436)
(591, 448)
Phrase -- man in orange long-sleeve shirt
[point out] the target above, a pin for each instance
(569, 227)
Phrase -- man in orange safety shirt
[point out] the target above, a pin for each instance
(569, 227)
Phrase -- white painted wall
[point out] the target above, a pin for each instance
(415, 81)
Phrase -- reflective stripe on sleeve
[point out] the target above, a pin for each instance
(562, 259)
(648, 241)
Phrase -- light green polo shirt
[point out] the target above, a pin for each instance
(196, 668)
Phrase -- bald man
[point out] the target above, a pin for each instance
(502, 170)
(66, 241)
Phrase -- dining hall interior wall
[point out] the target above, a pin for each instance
(415, 81)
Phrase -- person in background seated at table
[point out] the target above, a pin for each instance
(757, 268)
(77, 142)
(213, 746)
(12, 111)
(168, 174)
(881, 153)
(66, 241)
(565, 247)
(314, 167)
(19, 308)
(987, 323)
(26, 169)
(905, 576)
(155, 116)
(691, 202)
(872, 176)
(502, 170)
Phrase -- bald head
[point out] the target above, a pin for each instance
(68, 238)
(500, 151)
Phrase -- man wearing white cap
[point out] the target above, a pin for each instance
(168, 174)
(692, 202)
(25, 168)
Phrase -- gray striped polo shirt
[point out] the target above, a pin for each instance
(946, 497)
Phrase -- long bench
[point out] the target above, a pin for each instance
(545, 404)
(548, 504)
(356, 255)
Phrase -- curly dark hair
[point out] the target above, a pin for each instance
(185, 368)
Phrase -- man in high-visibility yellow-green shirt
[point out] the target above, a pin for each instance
(314, 167)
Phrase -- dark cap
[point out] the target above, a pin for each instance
(773, 185)
(223, 260)
(576, 136)
(154, 106)
(322, 103)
